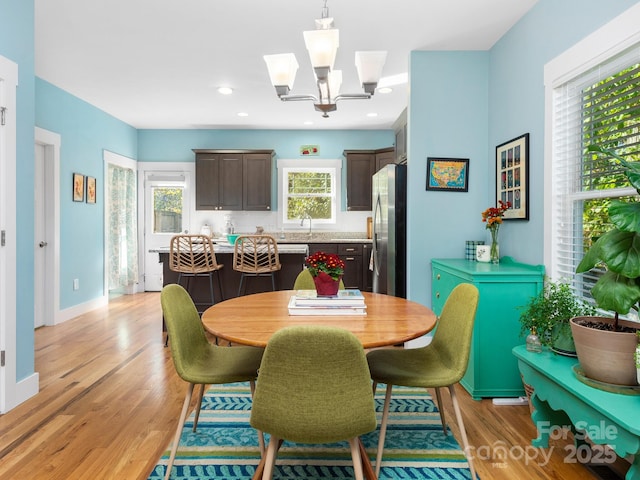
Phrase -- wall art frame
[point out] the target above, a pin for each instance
(91, 189)
(448, 174)
(512, 177)
(78, 187)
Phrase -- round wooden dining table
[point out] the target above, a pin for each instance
(252, 319)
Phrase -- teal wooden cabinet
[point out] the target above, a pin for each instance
(492, 370)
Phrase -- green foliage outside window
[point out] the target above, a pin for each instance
(611, 120)
(167, 209)
(309, 194)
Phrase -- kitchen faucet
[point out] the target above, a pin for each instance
(306, 216)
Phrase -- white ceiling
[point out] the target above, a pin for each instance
(158, 63)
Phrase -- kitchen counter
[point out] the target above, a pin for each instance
(221, 247)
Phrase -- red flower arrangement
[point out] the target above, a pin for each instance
(329, 263)
(493, 215)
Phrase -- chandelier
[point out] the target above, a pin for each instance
(322, 44)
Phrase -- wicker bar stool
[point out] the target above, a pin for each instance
(193, 256)
(256, 256)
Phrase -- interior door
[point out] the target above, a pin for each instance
(166, 214)
(40, 238)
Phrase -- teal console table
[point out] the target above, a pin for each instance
(503, 287)
(560, 399)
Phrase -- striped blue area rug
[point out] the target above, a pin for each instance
(226, 447)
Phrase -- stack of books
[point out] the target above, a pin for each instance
(347, 302)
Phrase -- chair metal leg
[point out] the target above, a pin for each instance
(198, 406)
(176, 439)
(220, 285)
(441, 410)
(213, 298)
(273, 282)
(241, 281)
(383, 428)
(463, 433)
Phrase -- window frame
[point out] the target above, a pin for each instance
(600, 47)
(332, 166)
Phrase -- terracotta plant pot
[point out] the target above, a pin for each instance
(604, 355)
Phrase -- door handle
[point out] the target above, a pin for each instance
(43, 244)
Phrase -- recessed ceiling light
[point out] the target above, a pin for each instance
(243, 114)
(372, 114)
(225, 90)
(385, 90)
(308, 122)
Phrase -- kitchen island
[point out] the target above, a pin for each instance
(291, 258)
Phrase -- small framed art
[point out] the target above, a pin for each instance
(448, 174)
(91, 189)
(78, 187)
(512, 177)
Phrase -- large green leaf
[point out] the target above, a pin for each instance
(621, 252)
(632, 169)
(590, 259)
(625, 216)
(616, 292)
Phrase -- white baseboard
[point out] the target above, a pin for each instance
(24, 390)
(77, 310)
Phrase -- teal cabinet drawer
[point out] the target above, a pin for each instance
(492, 369)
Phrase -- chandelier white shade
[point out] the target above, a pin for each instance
(322, 45)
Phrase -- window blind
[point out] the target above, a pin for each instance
(600, 106)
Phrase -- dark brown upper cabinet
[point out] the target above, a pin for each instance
(233, 179)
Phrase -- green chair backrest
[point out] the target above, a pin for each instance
(304, 281)
(454, 329)
(187, 338)
(313, 386)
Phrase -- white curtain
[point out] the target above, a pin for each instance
(123, 237)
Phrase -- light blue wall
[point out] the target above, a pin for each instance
(85, 133)
(514, 103)
(17, 44)
(176, 145)
(447, 117)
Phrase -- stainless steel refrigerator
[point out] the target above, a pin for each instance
(390, 230)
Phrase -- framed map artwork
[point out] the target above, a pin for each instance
(448, 174)
(512, 177)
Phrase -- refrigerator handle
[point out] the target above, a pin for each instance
(374, 244)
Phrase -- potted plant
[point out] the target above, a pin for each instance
(605, 346)
(327, 270)
(549, 313)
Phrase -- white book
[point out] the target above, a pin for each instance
(351, 297)
(295, 309)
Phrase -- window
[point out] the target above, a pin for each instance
(600, 106)
(167, 209)
(309, 189)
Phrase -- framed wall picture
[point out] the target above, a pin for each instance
(448, 174)
(91, 189)
(512, 177)
(78, 187)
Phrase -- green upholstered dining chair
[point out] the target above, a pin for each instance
(304, 281)
(442, 363)
(314, 387)
(198, 361)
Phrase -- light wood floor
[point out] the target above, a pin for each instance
(110, 398)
